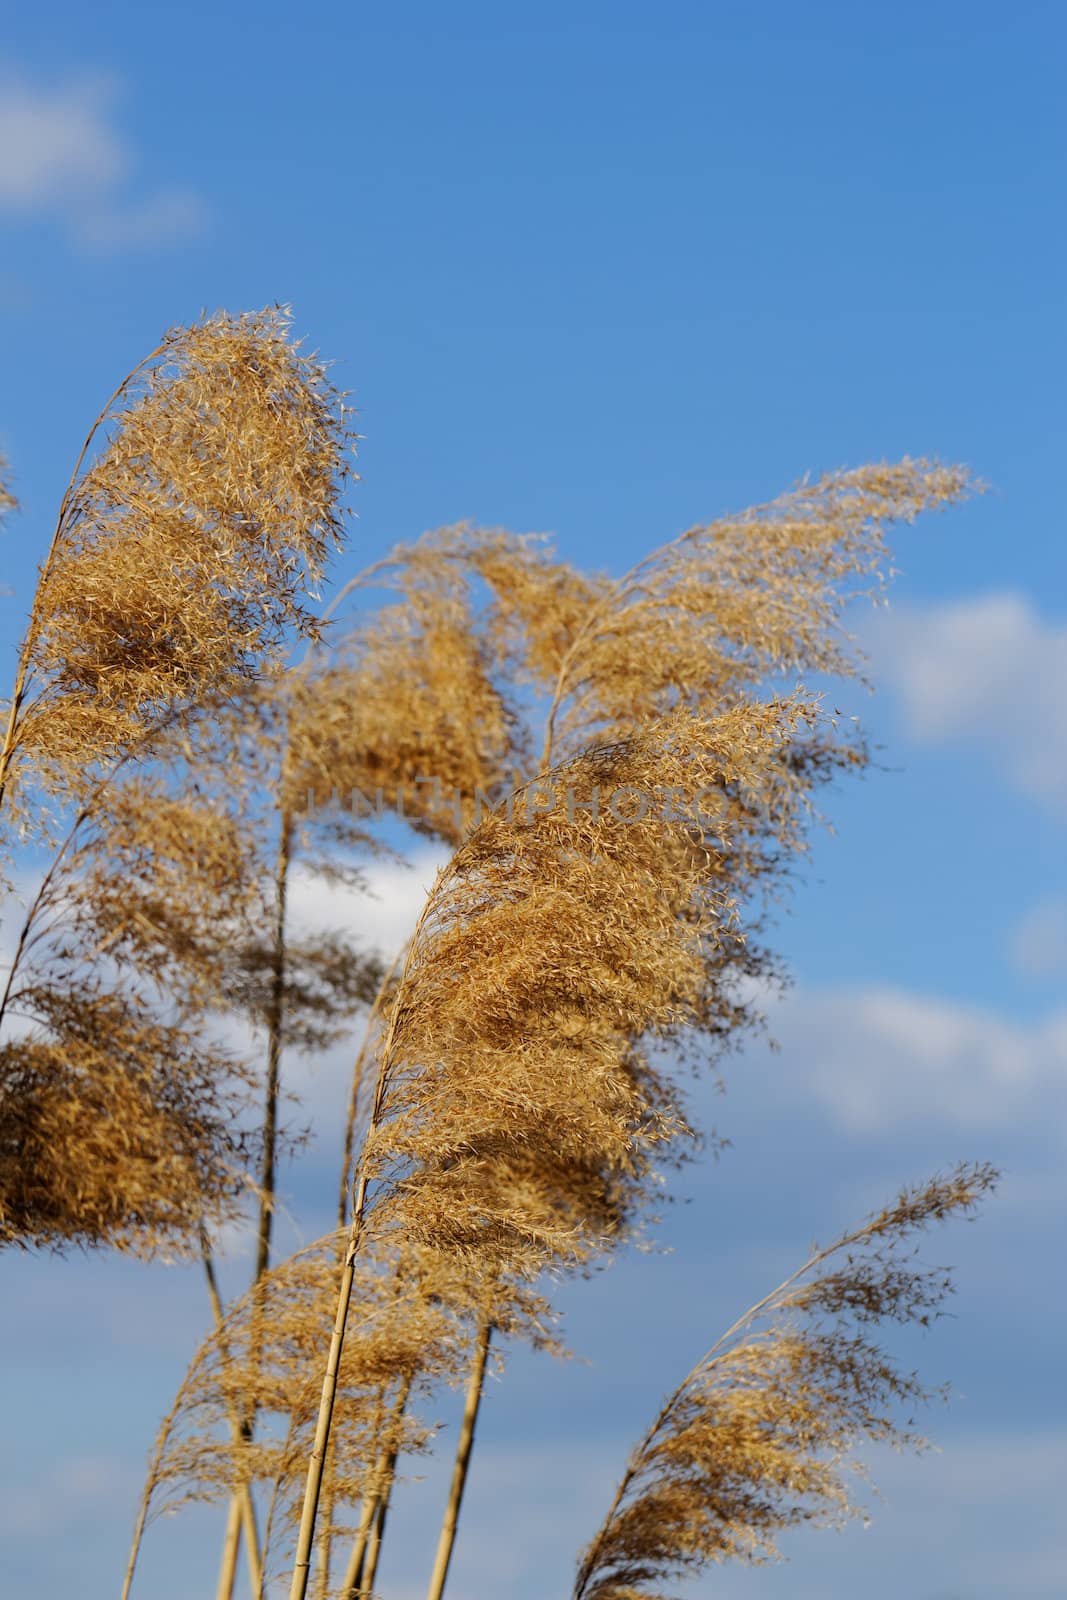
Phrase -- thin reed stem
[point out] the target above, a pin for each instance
(316, 1463)
(325, 1541)
(272, 1504)
(464, 1446)
(151, 1482)
(352, 1583)
(267, 1183)
(385, 1491)
(363, 1558)
(324, 1546)
(241, 1516)
(305, 1539)
(358, 1066)
(231, 1546)
(274, 1049)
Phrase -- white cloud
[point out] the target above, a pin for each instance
(235, 1241)
(170, 215)
(61, 156)
(878, 1058)
(1039, 943)
(382, 915)
(379, 917)
(989, 671)
(55, 144)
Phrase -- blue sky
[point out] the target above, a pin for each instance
(606, 271)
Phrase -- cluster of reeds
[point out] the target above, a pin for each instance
(200, 513)
(621, 791)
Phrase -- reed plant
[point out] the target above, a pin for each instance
(621, 776)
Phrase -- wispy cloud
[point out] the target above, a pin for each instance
(880, 1058)
(63, 157)
(165, 218)
(1039, 943)
(988, 671)
(74, 1488)
(382, 914)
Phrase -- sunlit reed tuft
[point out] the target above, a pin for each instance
(759, 1436)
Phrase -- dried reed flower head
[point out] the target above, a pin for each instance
(758, 1436)
(120, 1111)
(707, 622)
(539, 603)
(711, 615)
(514, 1115)
(185, 548)
(185, 553)
(115, 1126)
(420, 698)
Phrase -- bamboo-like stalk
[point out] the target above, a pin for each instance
(325, 1541)
(352, 1583)
(374, 1548)
(305, 1538)
(316, 1462)
(274, 1048)
(324, 1546)
(231, 1545)
(385, 1493)
(363, 1558)
(267, 1183)
(464, 1446)
(241, 1516)
(351, 1118)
